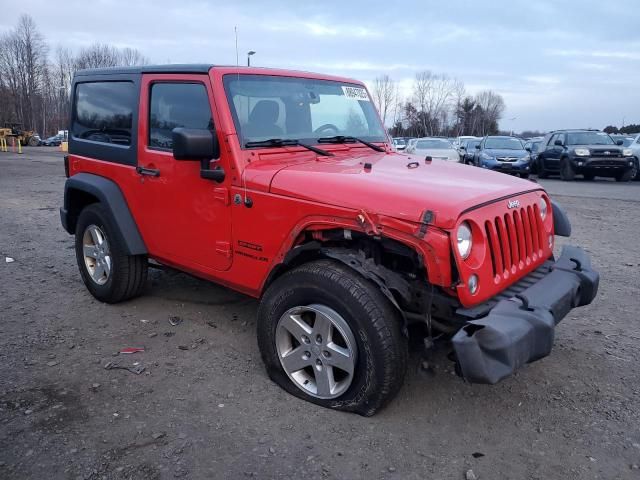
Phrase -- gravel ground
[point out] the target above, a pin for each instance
(204, 407)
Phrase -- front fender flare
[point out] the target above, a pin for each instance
(561, 223)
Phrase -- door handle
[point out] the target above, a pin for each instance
(152, 172)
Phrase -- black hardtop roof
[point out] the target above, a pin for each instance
(171, 68)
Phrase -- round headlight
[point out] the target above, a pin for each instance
(463, 239)
(543, 208)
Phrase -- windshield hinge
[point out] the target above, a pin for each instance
(427, 218)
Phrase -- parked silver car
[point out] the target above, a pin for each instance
(436, 148)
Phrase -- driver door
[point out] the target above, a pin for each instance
(185, 219)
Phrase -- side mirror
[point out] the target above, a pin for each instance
(558, 143)
(619, 142)
(528, 149)
(462, 147)
(478, 147)
(198, 145)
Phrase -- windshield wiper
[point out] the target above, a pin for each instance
(280, 142)
(349, 139)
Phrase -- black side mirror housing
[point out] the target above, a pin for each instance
(193, 144)
(558, 143)
(619, 142)
(477, 147)
(528, 149)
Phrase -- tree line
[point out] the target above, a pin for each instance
(439, 105)
(632, 128)
(35, 86)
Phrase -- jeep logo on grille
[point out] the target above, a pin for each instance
(513, 204)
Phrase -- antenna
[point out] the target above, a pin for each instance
(247, 201)
(235, 30)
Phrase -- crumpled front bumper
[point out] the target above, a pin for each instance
(521, 330)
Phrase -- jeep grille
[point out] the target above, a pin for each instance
(516, 240)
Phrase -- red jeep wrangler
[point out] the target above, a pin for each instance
(284, 186)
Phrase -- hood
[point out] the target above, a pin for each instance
(501, 152)
(390, 187)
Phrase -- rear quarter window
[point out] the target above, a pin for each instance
(103, 112)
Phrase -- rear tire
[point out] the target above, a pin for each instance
(107, 271)
(589, 176)
(567, 173)
(524, 175)
(380, 348)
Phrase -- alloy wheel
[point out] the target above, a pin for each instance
(97, 255)
(317, 350)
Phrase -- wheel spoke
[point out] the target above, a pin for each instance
(322, 327)
(340, 358)
(324, 380)
(295, 360)
(296, 326)
(98, 272)
(95, 236)
(90, 251)
(107, 265)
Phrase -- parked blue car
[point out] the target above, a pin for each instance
(503, 154)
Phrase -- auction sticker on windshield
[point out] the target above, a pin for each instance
(355, 92)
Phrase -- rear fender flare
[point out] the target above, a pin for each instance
(110, 196)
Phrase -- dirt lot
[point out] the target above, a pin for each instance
(204, 407)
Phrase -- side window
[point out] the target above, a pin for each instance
(552, 140)
(175, 105)
(103, 112)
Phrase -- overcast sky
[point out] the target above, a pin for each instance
(558, 64)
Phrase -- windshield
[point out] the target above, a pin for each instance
(433, 144)
(626, 141)
(535, 146)
(472, 144)
(588, 138)
(305, 109)
(503, 143)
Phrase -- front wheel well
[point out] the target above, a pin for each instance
(396, 269)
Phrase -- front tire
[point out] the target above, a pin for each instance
(324, 307)
(107, 271)
(567, 173)
(540, 170)
(627, 175)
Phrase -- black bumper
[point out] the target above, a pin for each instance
(521, 330)
(601, 164)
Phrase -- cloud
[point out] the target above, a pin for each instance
(536, 54)
(617, 54)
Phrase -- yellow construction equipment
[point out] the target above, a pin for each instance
(15, 130)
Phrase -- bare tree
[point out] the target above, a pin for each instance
(384, 93)
(492, 106)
